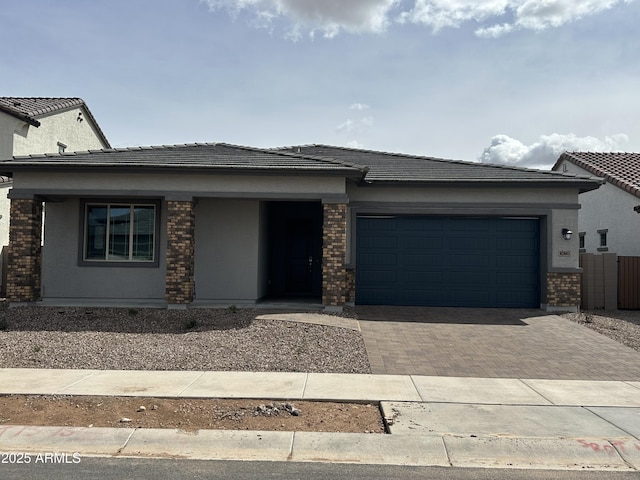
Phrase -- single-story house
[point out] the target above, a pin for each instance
(608, 220)
(205, 224)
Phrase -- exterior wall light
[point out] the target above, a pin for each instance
(566, 233)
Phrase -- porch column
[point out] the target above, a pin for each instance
(563, 290)
(25, 250)
(179, 279)
(334, 249)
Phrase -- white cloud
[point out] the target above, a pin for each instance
(544, 153)
(327, 16)
(527, 14)
(495, 17)
(345, 127)
(358, 106)
(355, 126)
(355, 144)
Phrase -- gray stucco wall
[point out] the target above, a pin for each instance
(64, 278)
(227, 258)
(610, 208)
(202, 185)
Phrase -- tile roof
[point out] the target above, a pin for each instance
(210, 156)
(622, 169)
(387, 167)
(366, 166)
(29, 108)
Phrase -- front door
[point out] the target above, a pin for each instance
(295, 249)
(299, 256)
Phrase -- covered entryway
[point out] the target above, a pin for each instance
(447, 261)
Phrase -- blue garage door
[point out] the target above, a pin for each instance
(447, 261)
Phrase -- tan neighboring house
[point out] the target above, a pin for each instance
(37, 125)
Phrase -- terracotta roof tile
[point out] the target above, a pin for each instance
(622, 169)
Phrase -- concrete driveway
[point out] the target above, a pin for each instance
(506, 343)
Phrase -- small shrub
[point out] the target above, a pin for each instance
(133, 312)
(233, 308)
(37, 348)
(588, 318)
(4, 325)
(191, 324)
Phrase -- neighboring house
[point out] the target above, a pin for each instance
(207, 224)
(608, 220)
(42, 125)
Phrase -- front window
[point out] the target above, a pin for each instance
(119, 232)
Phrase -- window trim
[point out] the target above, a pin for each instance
(85, 203)
(603, 247)
(583, 241)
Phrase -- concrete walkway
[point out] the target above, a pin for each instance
(445, 421)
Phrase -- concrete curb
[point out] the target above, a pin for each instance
(375, 449)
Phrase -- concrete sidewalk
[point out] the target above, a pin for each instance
(435, 421)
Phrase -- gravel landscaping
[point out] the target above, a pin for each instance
(157, 339)
(622, 326)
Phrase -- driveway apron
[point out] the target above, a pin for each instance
(505, 343)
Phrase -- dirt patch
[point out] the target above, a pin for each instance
(190, 414)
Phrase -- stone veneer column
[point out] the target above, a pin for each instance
(179, 280)
(563, 289)
(25, 250)
(334, 249)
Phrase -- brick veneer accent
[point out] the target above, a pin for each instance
(350, 289)
(179, 280)
(334, 248)
(563, 289)
(25, 250)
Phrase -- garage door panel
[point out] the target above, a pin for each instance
(469, 298)
(375, 277)
(517, 262)
(374, 259)
(411, 279)
(379, 296)
(467, 278)
(380, 242)
(377, 224)
(515, 280)
(516, 244)
(412, 260)
(422, 243)
(447, 261)
(469, 243)
(419, 297)
(469, 260)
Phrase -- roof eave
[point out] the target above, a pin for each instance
(7, 169)
(20, 116)
(582, 185)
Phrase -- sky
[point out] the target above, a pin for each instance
(498, 81)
